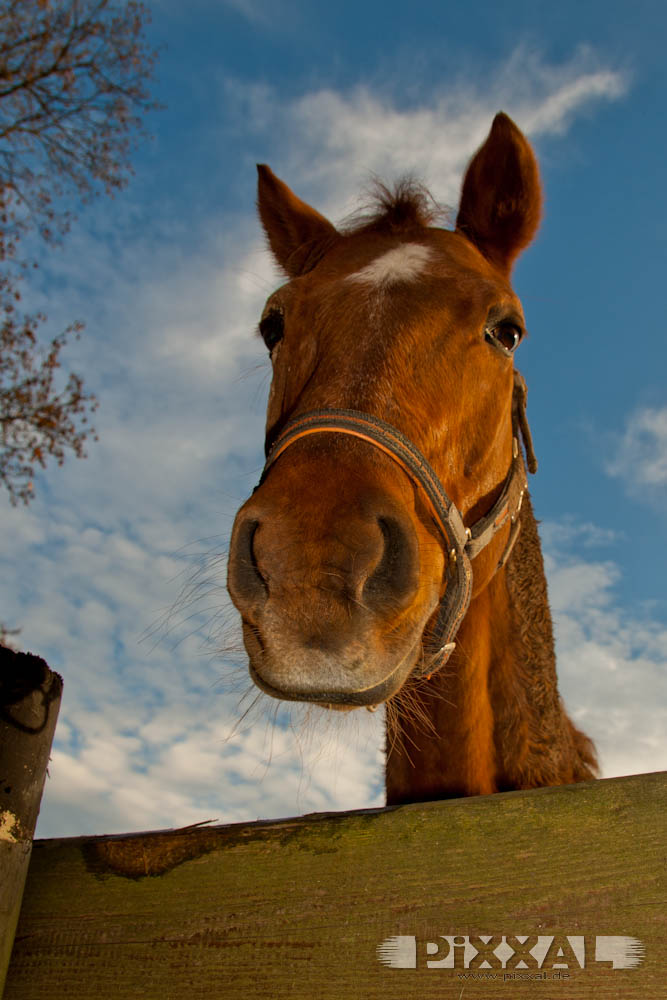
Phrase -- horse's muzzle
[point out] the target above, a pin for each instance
(327, 598)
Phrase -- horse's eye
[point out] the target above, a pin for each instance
(272, 328)
(504, 336)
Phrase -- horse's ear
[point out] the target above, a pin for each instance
(501, 196)
(297, 234)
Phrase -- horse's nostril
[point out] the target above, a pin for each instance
(245, 581)
(395, 577)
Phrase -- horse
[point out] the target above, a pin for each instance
(390, 553)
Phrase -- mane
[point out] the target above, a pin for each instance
(552, 739)
(405, 206)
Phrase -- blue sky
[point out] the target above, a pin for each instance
(116, 573)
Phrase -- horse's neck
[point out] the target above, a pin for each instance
(492, 719)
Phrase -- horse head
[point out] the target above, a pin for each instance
(337, 564)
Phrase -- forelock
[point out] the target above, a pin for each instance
(406, 206)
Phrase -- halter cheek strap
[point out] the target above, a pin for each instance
(461, 544)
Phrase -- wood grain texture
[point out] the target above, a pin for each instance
(29, 703)
(297, 908)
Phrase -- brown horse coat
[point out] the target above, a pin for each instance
(336, 563)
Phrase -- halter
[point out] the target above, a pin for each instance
(461, 544)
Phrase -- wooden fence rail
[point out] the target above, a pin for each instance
(385, 903)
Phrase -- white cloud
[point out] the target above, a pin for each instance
(259, 13)
(641, 452)
(329, 142)
(275, 15)
(180, 769)
(567, 89)
(612, 663)
(568, 531)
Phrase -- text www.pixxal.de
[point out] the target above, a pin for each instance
(508, 977)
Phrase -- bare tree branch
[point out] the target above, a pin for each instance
(74, 78)
(38, 418)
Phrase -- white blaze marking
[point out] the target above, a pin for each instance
(404, 263)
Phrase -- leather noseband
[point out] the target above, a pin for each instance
(461, 544)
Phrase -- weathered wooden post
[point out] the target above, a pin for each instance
(29, 702)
